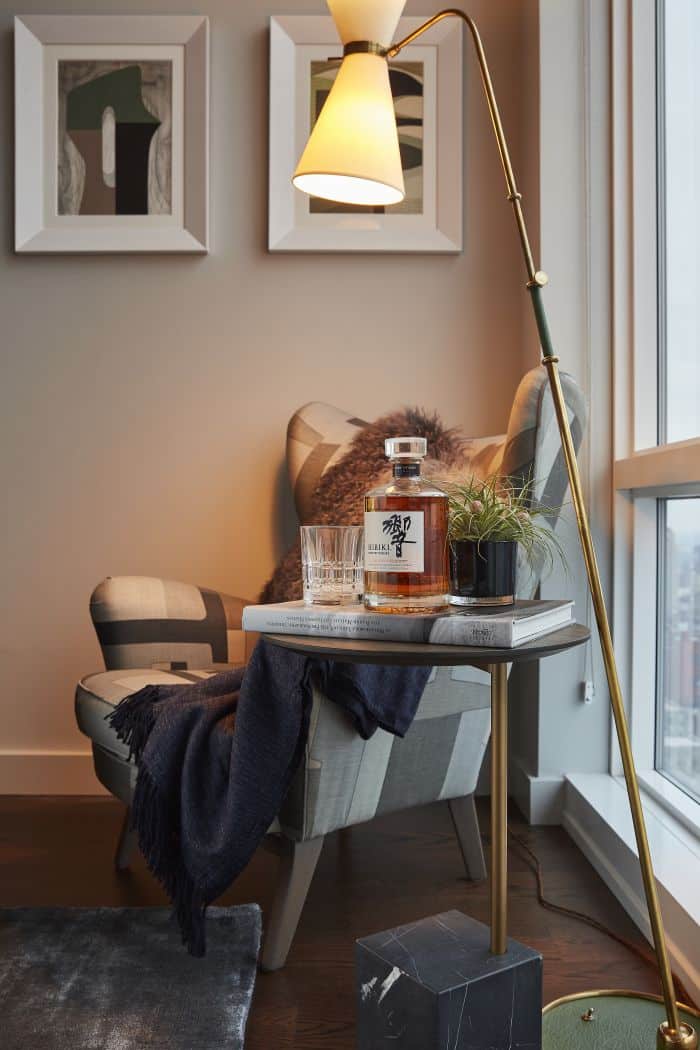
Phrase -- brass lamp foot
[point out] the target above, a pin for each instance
(616, 1019)
(683, 1038)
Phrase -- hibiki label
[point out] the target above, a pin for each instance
(394, 541)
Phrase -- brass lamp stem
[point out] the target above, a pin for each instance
(671, 1033)
(513, 195)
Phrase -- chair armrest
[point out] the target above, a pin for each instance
(143, 621)
(345, 780)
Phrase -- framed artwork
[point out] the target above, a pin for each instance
(426, 81)
(111, 133)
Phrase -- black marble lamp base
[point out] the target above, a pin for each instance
(434, 985)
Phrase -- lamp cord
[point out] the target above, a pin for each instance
(644, 954)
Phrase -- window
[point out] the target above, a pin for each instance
(678, 109)
(658, 477)
(677, 752)
(678, 680)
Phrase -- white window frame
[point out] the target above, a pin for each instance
(590, 92)
(643, 471)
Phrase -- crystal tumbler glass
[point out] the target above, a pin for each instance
(332, 564)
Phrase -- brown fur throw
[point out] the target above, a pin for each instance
(338, 500)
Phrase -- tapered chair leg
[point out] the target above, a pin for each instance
(466, 822)
(127, 844)
(297, 865)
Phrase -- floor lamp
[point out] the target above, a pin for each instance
(352, 156)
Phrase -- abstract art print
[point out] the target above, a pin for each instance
(426, 81)
(115, 138)
(112, 133)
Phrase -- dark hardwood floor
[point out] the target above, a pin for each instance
(56, 851)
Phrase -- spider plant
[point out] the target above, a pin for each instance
(499, 509)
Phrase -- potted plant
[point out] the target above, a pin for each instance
(487, 521)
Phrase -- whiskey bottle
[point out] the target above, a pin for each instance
(406, 537)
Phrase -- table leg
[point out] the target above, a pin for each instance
(499, 808)
(504, 986)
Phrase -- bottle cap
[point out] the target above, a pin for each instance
(406, 448)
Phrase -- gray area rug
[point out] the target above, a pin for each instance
(119, 979)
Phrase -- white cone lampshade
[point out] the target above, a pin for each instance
(352, 155)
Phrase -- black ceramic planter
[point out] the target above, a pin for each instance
(482, 573)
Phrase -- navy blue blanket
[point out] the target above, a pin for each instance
(216, 760)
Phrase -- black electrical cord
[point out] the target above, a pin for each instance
(644, 954)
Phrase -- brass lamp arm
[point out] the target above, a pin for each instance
(534, 276)
(672, 1033)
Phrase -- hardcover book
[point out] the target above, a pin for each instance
(501, 627)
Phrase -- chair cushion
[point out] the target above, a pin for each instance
(98, 694)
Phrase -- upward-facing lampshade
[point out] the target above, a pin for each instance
(374, 20)
(352, 155)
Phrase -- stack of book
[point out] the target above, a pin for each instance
(503, 628)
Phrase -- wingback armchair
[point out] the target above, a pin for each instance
(152, 630)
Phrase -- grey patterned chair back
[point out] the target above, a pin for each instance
(319, 435)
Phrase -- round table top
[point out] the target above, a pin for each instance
(417, 654)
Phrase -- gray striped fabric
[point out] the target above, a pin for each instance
(346, 780)
(319, 435)
(158, 627)
(142, 621)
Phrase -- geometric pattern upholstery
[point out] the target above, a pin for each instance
(346, 780)
(142, 621)
(319, 435)
(532, 447)
(532, 450)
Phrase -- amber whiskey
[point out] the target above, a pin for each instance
(406, 537)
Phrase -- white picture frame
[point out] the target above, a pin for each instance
(41, 42)
(295, 41)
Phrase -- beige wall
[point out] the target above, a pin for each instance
(145, 399)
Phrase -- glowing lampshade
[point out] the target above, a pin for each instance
(352, 155)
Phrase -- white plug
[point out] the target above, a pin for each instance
(588, 691)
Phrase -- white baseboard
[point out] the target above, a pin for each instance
(48, 773)
(540, 799)
(615, 860)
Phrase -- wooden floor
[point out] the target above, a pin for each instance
(390, 871)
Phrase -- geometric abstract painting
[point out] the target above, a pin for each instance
(111, 134)
(114, 137)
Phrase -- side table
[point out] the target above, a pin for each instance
(494, 661)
